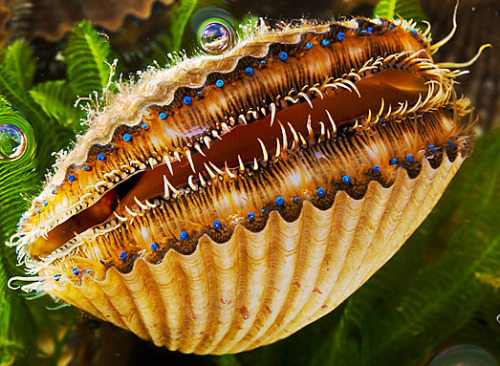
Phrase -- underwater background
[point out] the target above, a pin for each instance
(437, 302)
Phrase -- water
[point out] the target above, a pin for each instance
(212, 27)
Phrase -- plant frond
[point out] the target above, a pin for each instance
(20, 62)
(407, 9)
(179, 22)
(23, 322)
(171, 42)
(85, 56)
(16, 75)
(57, 99)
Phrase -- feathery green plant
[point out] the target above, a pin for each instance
(86, 54)
(172, 40)
(47, 116)
(88, 72)
(407, 9)
(55, 98)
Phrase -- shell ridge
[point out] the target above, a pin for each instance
(225, 261)
(311, 257)
(359, 248)
(264, 311)
(121, 298)
(321, 296)
(165, 274)
(199, 299)
(401, 197)
(344, 201)
(259, 312)
(240, 315)
(95, 296)
(214, 269)
(145, 295)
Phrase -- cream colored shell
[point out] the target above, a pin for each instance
(260, 287)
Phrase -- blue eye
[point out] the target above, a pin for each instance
(346, 179)
(183, 235)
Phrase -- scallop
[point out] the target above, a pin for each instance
(228, 201)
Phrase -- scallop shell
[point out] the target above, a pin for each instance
(52, 19)
(333, 208)
(260, 287)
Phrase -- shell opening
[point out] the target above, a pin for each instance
(304, 121)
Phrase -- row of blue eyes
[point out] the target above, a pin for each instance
(283, 56)
(187, 100)
(217, 224)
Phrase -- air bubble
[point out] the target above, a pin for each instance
(463, 354)
(12, 142)
(216, 37)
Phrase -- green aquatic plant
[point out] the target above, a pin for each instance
(87, 71)
(45, 113)
(407, 9)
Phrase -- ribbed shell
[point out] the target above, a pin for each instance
(260, 287)
(52, 19)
